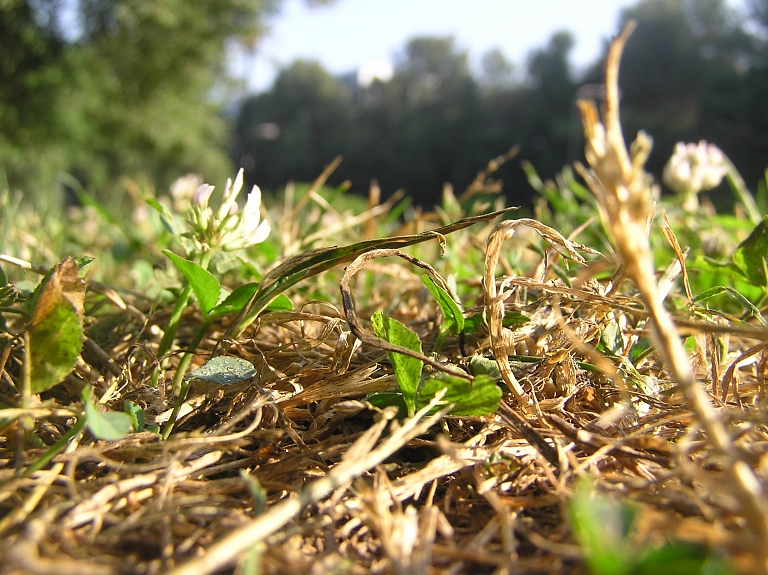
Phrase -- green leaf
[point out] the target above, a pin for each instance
(135, 413)
(382, 399)
(407, 368)
(240, 297)
(478, 397)
(83, 263)
(761, 196)
(708, 265)
(640, 350)
(152, 202)
(712, 273)
(750, 256)
(169, 221)
(681, 558)
(206, 287)
(8, 295)
(280, 303)
(453, 319)
(602, 528)
(55, 342)
(313, 262)
(473, 323)
(612, 338)
(480, 365)
(223, 370)
(235, 301)
(56, 327)
(106, 425)
(511, 319)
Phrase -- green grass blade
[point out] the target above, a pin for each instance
(313, 262)
(738, 297)
(453, 319)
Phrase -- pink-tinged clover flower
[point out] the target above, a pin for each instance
(182, 191)
(200, 215)
(202, 195)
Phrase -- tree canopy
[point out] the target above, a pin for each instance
(124, 87)
(102, 89)
(692, 70)
(433, 122)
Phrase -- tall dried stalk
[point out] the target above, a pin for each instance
(624, 193)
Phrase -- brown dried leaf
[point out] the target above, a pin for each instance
(56, 329)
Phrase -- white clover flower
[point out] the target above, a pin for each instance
(248, 228)
(255, 231)
(229, 202)
(230, 228)
(694, 168)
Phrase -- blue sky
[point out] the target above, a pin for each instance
(349, 33)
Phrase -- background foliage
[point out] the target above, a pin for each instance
(106, 89)
(109, 88)
(692, 71)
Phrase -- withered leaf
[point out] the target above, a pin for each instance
(56, 328)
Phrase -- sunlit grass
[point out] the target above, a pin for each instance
(266, 384)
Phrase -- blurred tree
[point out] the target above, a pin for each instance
(30, 50)
(759, 12)
(431, 123)
(691, 71)
(497, 71)
(548, 105)
(438, 122)
(431, 67)
(133, 87)
(416, 131)
(292, 131)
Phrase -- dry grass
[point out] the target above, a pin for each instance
(294, 472)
